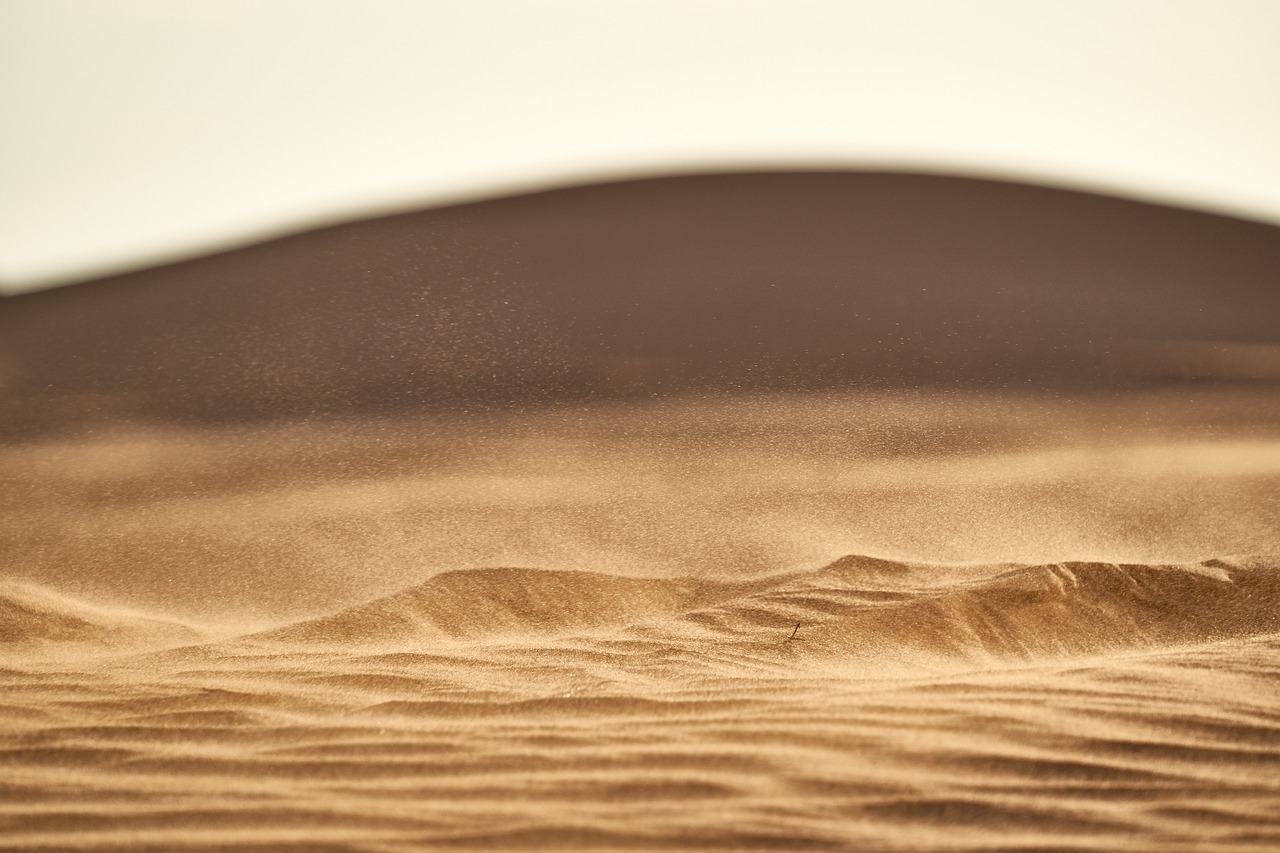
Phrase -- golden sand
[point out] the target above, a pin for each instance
(896, 621)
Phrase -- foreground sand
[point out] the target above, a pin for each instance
(781, 691)
(1081, 706)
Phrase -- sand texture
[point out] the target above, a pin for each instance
(1074, 706)
(898, 621)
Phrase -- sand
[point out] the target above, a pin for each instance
(896, 621)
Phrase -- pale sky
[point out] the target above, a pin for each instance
(135, 131)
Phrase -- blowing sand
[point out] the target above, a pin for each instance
(869, 621)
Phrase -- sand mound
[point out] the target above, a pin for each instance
(874, 608)
(857, 608)
(483, 603)
(32, 617)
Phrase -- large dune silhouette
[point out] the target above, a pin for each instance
(739, 282)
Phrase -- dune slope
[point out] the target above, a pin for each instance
(33, 617)
(857, 608)
(479, 603)
(874, 608)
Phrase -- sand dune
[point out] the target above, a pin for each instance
(857, 608)
(508, 602)
(878, 609)
(754, 282)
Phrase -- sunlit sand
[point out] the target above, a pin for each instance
(913, 620)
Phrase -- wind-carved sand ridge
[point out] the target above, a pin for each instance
(857, 607)
(1078, 705)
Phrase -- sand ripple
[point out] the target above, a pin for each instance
(1078, 706)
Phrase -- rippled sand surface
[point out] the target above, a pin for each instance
(836, 622)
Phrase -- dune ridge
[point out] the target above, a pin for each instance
(857, 608)
(474, 604)
(854, 608)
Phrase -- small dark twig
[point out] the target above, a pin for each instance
(794, 631)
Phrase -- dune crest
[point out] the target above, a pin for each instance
(474, 604)
(875, 609)
(854, 608)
